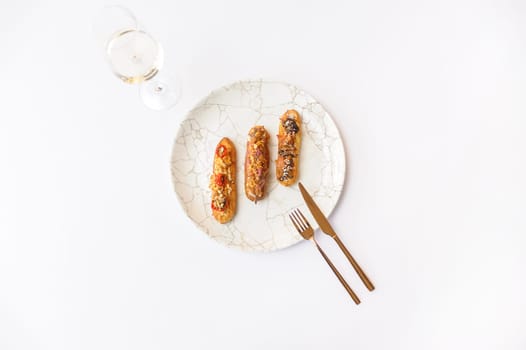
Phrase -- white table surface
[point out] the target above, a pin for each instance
(96, 253)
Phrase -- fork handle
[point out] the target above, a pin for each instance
(337, 273)
(354, 264)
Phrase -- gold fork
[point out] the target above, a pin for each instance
(305, 230)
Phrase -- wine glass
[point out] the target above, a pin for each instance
(135, 56)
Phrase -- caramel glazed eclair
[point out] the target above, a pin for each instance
(256, 163)
(289, 142)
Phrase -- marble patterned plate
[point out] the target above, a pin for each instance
(231, 111)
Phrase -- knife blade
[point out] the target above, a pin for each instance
(316, 212)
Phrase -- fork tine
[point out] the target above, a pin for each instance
(297, 222)
(294, 223)
(298, 219)
(304, 219)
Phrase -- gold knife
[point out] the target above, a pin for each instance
(327, 229)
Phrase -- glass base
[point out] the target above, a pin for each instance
(161, 92)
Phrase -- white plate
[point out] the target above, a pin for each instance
(231, 111)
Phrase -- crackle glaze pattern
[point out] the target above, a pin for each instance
(231, 111)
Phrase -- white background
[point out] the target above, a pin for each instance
(96, 253)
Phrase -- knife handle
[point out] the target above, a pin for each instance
(337, 273)
(354, 264)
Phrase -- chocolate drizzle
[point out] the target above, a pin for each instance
(291, 126)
